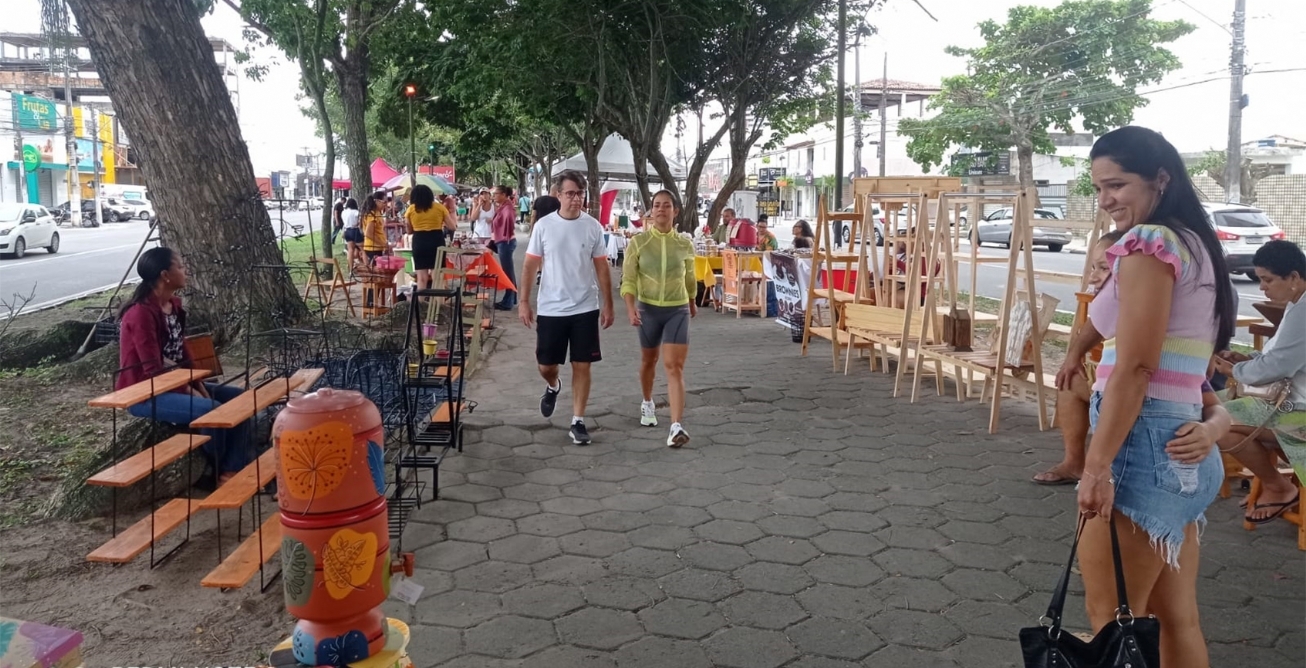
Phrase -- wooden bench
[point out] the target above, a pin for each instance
(135, 468)
(244, 485)
(444, 412)
(249, 403)
(135, 539)
(881, 326)
(134, 394)
(240, 566)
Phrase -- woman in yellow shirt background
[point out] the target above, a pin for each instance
(427, 220)
(373, 217)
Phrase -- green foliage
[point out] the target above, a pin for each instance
(1083, 184)
(1043, 69)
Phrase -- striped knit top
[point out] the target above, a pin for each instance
(1191, 331)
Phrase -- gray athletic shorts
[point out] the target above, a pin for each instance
(663, 324)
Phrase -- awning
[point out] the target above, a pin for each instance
(12, 164)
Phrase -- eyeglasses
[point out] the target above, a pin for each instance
(573, 194)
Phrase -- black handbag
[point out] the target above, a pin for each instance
(1128, 643)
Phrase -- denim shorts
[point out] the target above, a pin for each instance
(1161, 496)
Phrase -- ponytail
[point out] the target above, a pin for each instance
(150, 267)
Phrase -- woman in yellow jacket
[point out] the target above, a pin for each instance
(427, 220)
(373, 223)
(658, 284)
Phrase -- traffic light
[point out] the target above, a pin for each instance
(430, 149)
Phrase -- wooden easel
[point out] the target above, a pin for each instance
(825, 257)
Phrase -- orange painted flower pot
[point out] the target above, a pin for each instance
(329, 453)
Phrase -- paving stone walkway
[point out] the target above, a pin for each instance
(813, 521)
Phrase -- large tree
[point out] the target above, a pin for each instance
(1213, 164)
(1044, 69)
(192, 155)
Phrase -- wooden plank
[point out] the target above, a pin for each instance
(1248, 320)
(244, 485)
(125, 546)
(240, 566)
(444, 412)
(304, 379)
(243, 406)
(134, 394)
(133, 469)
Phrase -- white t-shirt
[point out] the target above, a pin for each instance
(481, 226)
(569, 285)
(349, 217)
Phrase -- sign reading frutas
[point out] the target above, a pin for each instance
(34, 113)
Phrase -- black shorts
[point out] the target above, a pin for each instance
(555, 335)
(425, 247)
(354, 234)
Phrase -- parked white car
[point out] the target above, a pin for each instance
(24, 226)
(995, 228)
(143, 208)
(1242, 230)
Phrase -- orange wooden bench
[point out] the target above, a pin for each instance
(134, 394)
(240, 566)
(135, 468)
(244, 485)
(250, 402)
(135, 539)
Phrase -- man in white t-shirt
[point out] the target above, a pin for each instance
(575, 299)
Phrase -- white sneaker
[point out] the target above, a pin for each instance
(677, 437)
(648, 415)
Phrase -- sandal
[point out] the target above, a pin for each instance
(1280, 509)
(1058, 479)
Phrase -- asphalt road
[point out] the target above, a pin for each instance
(91, 260)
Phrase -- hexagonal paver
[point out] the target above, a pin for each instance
(918, 563)
(471, 493)
(920, 538)
(836, 638)
(493, 576)
(799, 507)
(461, 609)
(662, 537)
(509, 436)
(783, 550)
(641, 562)
(510, 637)
(590, 543)
(570, 569)
(902, 655)
(571, 505)
(609, 473)
(591, 489)
(716, 556)
(570, 657)
(530, 491)
(623, 593)
(682, 618)
(749, 648)
(844, 570)
(655, 652)
(827, 600)
(648, 485)
(984, 585)
(849, 543)
(915, 629)
(546, 601)
(729, 531)
(615, 520)
(681, 516)
(633, 502)
(600, 628)
(777, 578)
(481, 529)
(524, 548)
(743, 511)
(699, 585)
(763, 610)
(550, 476)
(851, 520)
(435, 644)
(913, 593)
(550, 524)
(451, 555)
(508, 508)
(496, 478)
(985, 533)
(790, 525)
(986, 619)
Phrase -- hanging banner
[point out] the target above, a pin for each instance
(104, 127)
(79, 123)
(789, 275)
(35, 113)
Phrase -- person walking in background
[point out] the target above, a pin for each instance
(353, 235)
(1166, 308)
(372, 219)
(658, 284)
(543, 206)
(482, 213)
(504, 232)
(426, 220)
(1262, 435)
(575, 300)
(523, 208)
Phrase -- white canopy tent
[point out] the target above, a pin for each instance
(616, 162)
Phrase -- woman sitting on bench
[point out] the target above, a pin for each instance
(152, 341)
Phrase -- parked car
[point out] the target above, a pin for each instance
(1241, 230)
(119, 211)
(64, 214)
(995, 228)
(24, 226)
(141, 208)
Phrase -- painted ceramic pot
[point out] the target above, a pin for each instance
(330, 455)
(335, 575)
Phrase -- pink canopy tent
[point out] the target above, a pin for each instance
(381, 172)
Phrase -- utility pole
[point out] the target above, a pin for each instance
(1233, 164)
(839, 110)
(70, 175)
(95, 166)
(884, 116)
(857, 105)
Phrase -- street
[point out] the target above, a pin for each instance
(94, 259)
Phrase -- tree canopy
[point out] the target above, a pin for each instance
(1047, 69)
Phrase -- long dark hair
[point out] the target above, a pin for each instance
(422, 198)
(806, 228)
(1145, 152)
(370, 204)
(351, 204)
(152, 264)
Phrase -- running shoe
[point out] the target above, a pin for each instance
(648, 414)
(579, 434)
(549, 400)
(677, 437)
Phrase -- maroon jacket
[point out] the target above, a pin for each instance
(142, 332)
(503, 225)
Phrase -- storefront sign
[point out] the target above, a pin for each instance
(31, 157)
(34, 113)
(769, 174)
(790, 276)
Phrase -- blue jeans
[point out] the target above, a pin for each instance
(230, 450)
(506, 251)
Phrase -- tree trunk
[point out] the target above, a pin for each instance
(688, 221)
(328, 170)
(1025, 160)
(351, 77)
(192, 155)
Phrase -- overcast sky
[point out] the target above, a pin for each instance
(1194, 116)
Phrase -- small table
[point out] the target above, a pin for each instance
(33, 645)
